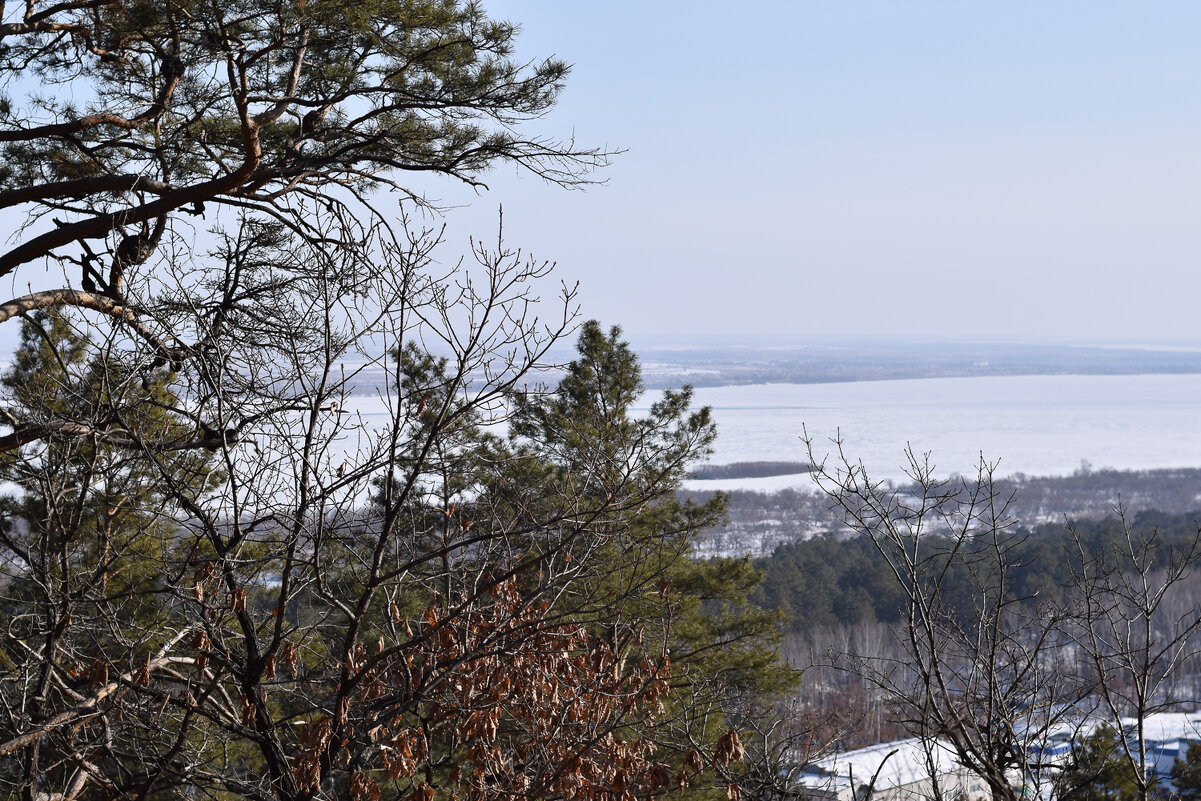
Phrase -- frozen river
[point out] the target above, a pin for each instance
(1038, 425)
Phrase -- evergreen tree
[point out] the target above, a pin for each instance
(1186, 773)
(271, 125)
(90, 544)
(1098, 770)
(222, 585)
(254, 104)
(500, 619)
(584, 443)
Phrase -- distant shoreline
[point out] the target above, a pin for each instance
(711, 472)
(733, 366)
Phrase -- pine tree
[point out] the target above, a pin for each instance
(584, 442)
(90, 543)
(1186, 773)
(254, 105)
(1098, 770)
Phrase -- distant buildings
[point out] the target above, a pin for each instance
(906, 770)
(896, 771)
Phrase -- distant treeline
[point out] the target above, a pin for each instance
(829, 581)
(771, 363)
(750, 470)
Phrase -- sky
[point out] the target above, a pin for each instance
(1016, 172)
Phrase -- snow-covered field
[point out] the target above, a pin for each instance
(769, 484)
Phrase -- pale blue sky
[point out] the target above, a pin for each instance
(1016, 171)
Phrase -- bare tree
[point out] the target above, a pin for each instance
(343, 594)
(977, 669)
(276, 531)
(842, 709)
(1133, 633)
(294, 516)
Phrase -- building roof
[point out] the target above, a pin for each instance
(899, 763)
(1166, 726)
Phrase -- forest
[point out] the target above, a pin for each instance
(830, 581)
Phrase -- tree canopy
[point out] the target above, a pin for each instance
(253, 105)
(185, 163)
(292, 513)
(485, 625)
